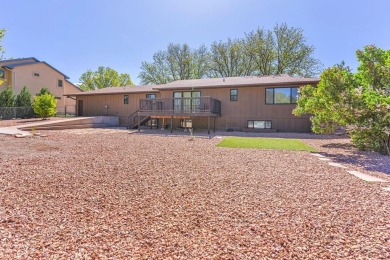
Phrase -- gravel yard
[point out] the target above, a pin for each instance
(118, 195)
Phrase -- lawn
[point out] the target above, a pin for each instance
(265, 143)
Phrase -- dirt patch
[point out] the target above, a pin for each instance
(147, 196)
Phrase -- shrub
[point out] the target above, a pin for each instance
(7, 97)
(23, 99)
(45, 105)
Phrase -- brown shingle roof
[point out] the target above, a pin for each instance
(238, 81)
(278, 80)
(118, 90)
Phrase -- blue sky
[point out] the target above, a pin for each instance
(74, 36)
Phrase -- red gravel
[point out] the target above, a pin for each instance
(121, 195)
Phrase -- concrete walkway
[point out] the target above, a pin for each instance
(357, 174)
(13, 130)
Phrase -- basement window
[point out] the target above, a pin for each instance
(126, 99)
(186, 123)
(259, 124)
(35, 74)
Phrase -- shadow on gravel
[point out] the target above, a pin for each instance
(345, 146)
(378, 163)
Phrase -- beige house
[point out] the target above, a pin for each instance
(36, 74)
(235, 103)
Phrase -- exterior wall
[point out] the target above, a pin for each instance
(23, 76)
(70, 104)
(249, 106)
(96, 105)
(7, 80)
(9, 74)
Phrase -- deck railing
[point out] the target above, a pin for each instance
(199, 106)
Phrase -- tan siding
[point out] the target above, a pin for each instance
(7, 81)
(250, 106)
(70, 104)
(95, 105)
(23, 76)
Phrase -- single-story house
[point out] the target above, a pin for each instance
(250, 103)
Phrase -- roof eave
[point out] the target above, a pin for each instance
(113, 93)
(241, 85)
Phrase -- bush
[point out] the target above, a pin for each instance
(7, 97)
(23, 99)
(45, 105)
(371, 139)
(43, 91)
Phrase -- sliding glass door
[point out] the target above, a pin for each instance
(186, 101)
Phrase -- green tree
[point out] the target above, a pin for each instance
(360, 101)
(7, 97)
(2, 34)
(230, 59)
(102, 78)
(260, 46)
(23, 99)
(45, 105)
(43, 91)
(283, 50)
(178, 62)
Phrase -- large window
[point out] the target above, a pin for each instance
(281, 95)
(126, 99)
(2, 74)
(233, 95)
(259, 124)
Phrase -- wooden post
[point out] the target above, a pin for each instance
(139, 123)
(208, 125)
(171, 124)
(214, 123)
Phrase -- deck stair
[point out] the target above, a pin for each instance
(133, 120)
(73, 123)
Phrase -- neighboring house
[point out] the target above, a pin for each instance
(36, 74)
(237, 103)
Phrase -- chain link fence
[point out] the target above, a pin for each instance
(16, 112)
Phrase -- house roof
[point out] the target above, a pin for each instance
(13, 65)
(18, 63)
(237, 81)
(278, 80)
(118, 90)
(19, 59)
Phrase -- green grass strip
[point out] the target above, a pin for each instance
(265, 143)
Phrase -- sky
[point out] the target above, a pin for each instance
(76, 35)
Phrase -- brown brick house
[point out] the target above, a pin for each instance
(240, 103)
(36, 74)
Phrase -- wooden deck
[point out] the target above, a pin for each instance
(184, 107)
(192, 106)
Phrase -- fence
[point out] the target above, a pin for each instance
(16, 112)
(66, 111)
